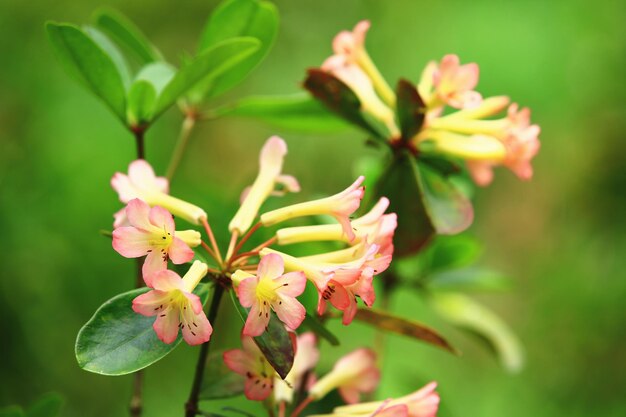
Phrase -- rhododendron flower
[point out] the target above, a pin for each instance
(251, 364)
(269, 290)
(421, 403)
(340, 206)
(270, 167)
(141, 182)
(450, 83)
(306, 358)
(175, 306)
(353, 374)
(376, 225)
(151, 232)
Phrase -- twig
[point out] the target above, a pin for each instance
(301, 406)
(216, 249)
(181, 144)
(231, 246)
(191, 407)
(245, 237)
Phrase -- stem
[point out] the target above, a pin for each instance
(241, 257)
(245, 237)
(139, 131)
(181, 144)
(265, 244)
(281, 409)
(191, 407)
(135, 401)
(216, 249)
(231, 246)
(208, 249)
(302, 406)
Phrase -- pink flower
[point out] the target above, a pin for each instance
(340, 206)
(270, 167)
(351, 44)
(152, 233)
(141, 182)
(353, 374)
(307, 356)
(175, 306)
(251, 364)
(376, 225)
(454, 83)
(270, 290)
(421, 403)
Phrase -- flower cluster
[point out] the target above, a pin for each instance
(352, 375)
(146, 228)
(464, 132)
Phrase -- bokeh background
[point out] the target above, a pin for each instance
(560, 237)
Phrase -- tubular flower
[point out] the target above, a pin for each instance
(353, 374)
(421, 403)
(175, 306)
(152, 233)
(141, 182)
(513, 141)
(340, 206)
(353, 66)
(305, 360)
(251, 364)
(270, 167)
(377, 226)
(450, 83)
(269, 290)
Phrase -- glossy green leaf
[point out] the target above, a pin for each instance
(126, 34)
(400, 182)
(112, 51)
(48, 405)
(317, 327)
(449, 252)
(275, 342)
(394, 324)
(90, 64)
(209, 64)
(232, 19)
(141, 100)
(467, 314)
(297, 112)
(469, 279)
(219, 381)
(339, 98)
(410, 109)
(449, 209)
(118, 341)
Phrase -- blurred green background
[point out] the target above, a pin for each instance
(560, 237)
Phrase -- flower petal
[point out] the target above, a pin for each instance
(137, 212)
(271, 266)
(291, 284)
(148, 304)
(258, 389)
(179, 252)
(290, 311)
(166, 281)
(162, 219)
(131, 242)
(246, 291)
(155, 262)
(166, 325)
(198, 329)
(257, 321)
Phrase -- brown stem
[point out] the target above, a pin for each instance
(245, 237)
(181, 144)
(139, 132)
(302, 406)
(191, 407)
(136, 405)
(216, 249)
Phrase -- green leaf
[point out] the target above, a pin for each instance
(450, 252)
(467, 314)
(410, 109)
(111, 50)
(90, 64)
(141, 100)
(297, 112)
(118, 341)
(275, 342)
(390, 323)
(401, 183)
(469, 279)
(339, 98)
(12, 411)
(219, 381)
(449, 209)
(48, 405)
(317, 327)
(126, 34)
(233, 19)
(209, 64)
(159, 74)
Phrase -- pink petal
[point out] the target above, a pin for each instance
(290, 311)
(246, 291)
(120, 218)
(131, 242)
(350, 395)
(148, 304)
(179, 252)
(481, 172)
(349, 312)
(166, 281)
(238, 361)
(399, 410)
(137, 212)
(162, 184)
(258, 391)
(198, 330)
(346, 226)
(271, 266)
(340, 299)
(141, 174)
(154, 263)
(195, 302)
(162, 219)
(123, 186)
(166, 325)
(291, 284)
(257, 321)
